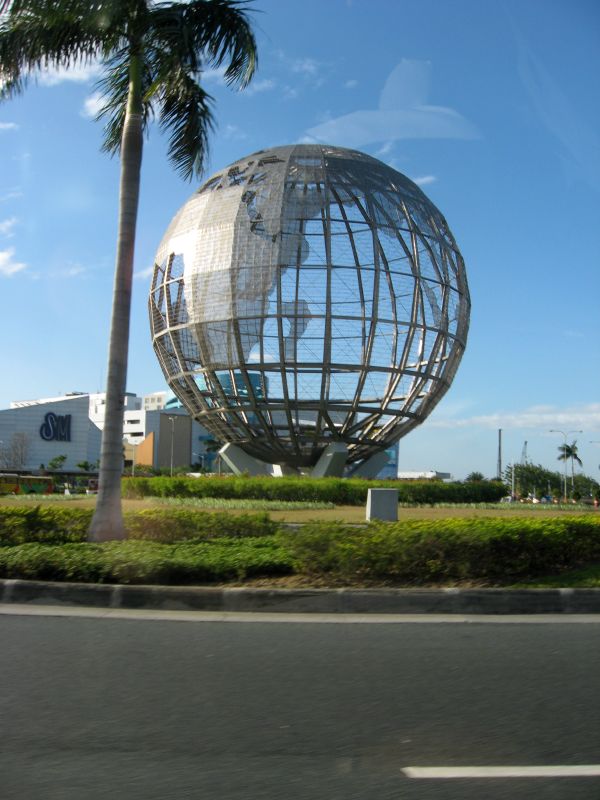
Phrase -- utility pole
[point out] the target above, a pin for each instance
(172, 421)
(499, 468)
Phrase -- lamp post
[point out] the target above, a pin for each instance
(595, 441)
(565, 434)
(133, 449)
(172, 420)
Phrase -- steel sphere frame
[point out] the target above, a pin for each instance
(308, 295)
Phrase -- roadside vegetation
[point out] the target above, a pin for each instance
(188, 546)
(339, 491)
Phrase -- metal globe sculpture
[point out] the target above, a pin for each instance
(309, 295)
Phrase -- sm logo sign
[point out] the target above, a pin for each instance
(56, 428)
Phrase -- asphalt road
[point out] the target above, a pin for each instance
(165, 710)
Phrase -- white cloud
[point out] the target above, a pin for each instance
(306, 140)
(216, 75)
(71, 271)
(385, 149)
(425, 180)
(8, 266)
(403, 113)
(7, 225)
(290, 93)
(80, 73)
(265, 85)
(306, 66)
(351, 84)
(92, 105)
(142, 274)
(234, 132)
(11, 195)
(9, 126)
(543, 417)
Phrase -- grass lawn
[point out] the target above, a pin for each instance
(304, 512)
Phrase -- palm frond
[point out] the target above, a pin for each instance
(36, 34)
(185, 113)
(10, 86)
(218, 31)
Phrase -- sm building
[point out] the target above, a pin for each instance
(155, 432)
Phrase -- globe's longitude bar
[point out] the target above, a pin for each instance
(306, 295)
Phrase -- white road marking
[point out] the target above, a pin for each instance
(159, 615)
(552, 771)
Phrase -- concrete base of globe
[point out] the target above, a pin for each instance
(240, 463)
(331, 464)
(371, 467)
(382, 504)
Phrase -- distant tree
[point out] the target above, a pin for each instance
(55, 464)
(474, 477)
(569, 452)
(86, 466)
(532, 479)
(586, 485)
(18, 450)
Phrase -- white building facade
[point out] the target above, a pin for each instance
(34, 432)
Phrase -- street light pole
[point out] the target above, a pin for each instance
(565, 434)
(172, 420)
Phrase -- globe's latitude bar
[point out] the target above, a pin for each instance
(309, 302)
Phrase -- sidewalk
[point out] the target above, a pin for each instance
(318, 601)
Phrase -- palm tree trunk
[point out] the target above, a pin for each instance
(107, 522)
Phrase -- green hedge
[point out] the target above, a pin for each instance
(173, 524)
(48, 525)
(347, 491)
(58, 525)
(185, 546)
(444, 550)
(147, 562)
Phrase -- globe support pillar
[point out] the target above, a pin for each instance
(332, 461)
(240, 463)
(371, 467)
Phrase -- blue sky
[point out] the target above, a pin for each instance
(492, 107)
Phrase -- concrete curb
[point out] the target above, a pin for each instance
(318, 601)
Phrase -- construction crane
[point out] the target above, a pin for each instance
(524, 453)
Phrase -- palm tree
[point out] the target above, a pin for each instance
(570, 451)
(152, 54)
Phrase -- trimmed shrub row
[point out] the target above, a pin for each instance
(59, 525)
(184, 546)
(339, 491)
(147, 562)
(418, 551)
(174, 524)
